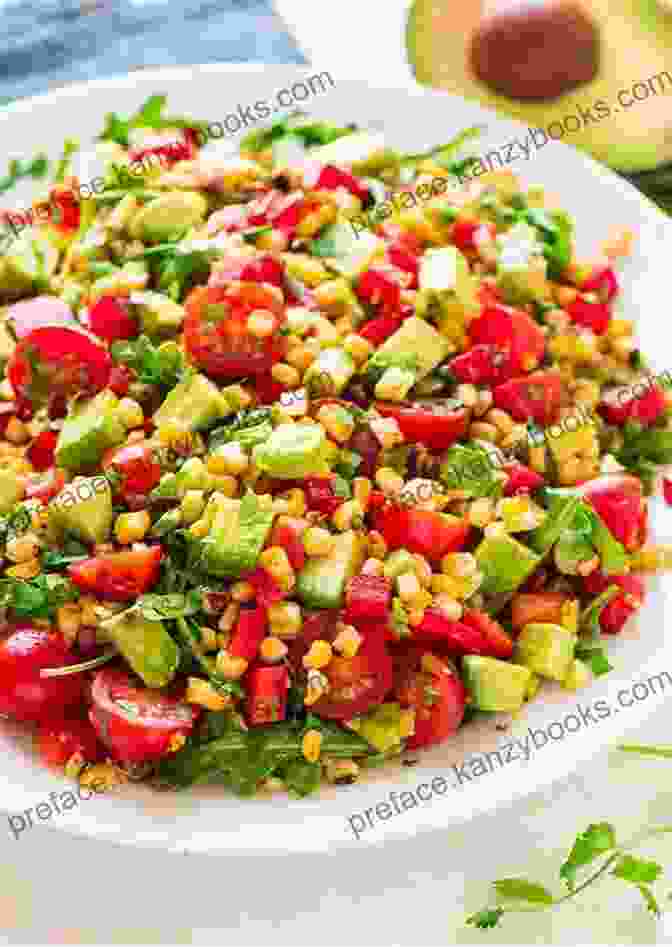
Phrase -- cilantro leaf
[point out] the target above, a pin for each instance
(35, 168)
(590, 617)
(520, 889)
(149, 115)
(37, 598)
(486, 919)
(637, 870)
(589, 845)
(153, 366)
(644, 449)
(595, 657)
(170, 606)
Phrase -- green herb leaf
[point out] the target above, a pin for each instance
(589, 620)
(520, 889)
(594, 656)
(589, 845)
(35, 168)
(149, 115)
(171, 606)
(301, 777)
(486, 919)
(637, 870)
(154, 367)
(70, 148)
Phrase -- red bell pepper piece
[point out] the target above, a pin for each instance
(120, 575)
(625, 404)
(595, 316)
(521, 479)
(603, 282)
(377, 287)
(249, 632)
(431, 423)
(377, 330)
(368, 597)
(267, 688)
(266, 589)
(287, 534)
(41, 451)
(423, 531)
(618, 501)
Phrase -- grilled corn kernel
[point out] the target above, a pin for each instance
(319, 655)
(318, 541)
(311, 745)
(341, 772)
(284, 619)
(361, 491)
(347, 641)
(467, 394)
(376, 544)
(285, 374)
(337, 422)
(652, 558)
(272, 649)
(483, 431)
(358, 347)
(228, 459)
(102, 776)
(131, 527)
(389, 481)
(204, 694)
(481, 512)
(16, 431)
(25, 570)
(348, 515)
(274, 560)
(445, 584)
(88, 605)
(68, 621)
(231, 668)
(316, 686)
(501, 420)
(22, 548)
(423, 570)
(130, 413)
(406, 723)
(296, 501)
(449, 606)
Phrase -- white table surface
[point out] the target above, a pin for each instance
(58, 889)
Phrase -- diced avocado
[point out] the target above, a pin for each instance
(347, 250)
(83, 508)
(364, 152)
(578, 676)
(321, 582)
(89, 429)
(546, 649)
(193, 404)
(330, 372)
(415, 340)
(395, 383)
(27, 268)
(288, 151)
(146, 645)
(562, 508)
(494, 685)
(398, 562)
(168, 217)
(447, 291)
(237, 536)
(521, 267)
(381, 727)
(159, 315)
(11, 490)
(292, 450)
(505, 564)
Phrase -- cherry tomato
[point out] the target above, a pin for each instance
(603, 282)
(266, 688)
(57, 362)
(216, 333)
(377, 287)
(37, 313)
(499, 643)
(25, 695)
(251, 629)
(138, 470)
(64, 210)
(121, 377)
(46, 486)
(514, 333)
(316, 625)
(135, 723)
(356, 684)
(622, 607)
(595, 316)
(529, 607)
(438, 697)
(618, 501)
(264, 269)
(119, 576)
(331, 177)
(60, 739)
(110, 319)
(423, 531)
(520, 479)
(481, 365)
(41, 451)
(536, 397)
(624, 404)
(467, 232)
(433, 423)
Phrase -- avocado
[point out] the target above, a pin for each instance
(346, 249)
(494, 685)
(578, 676)
(11, 490)
(365, 152)
(382, 727)
(630, 134)
(330, 372)
(321, 582)
(237, 535)
(192, 404)
(27, 268)
(415, 340)
(447, 290)
(84, 508)
(146, 645)
(88, 430)
(7, 343)
(398, 562)
(159, 315)
(521, 266)
(292, 451)
(505, 564)
(546, 649)
(168, 217)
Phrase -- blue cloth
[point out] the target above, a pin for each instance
(47, 44)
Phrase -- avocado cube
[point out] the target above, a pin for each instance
(159, 315)
(414, 339)
(330, 372)
(145, 644)
(447, 290)
(238, 533)
(193, 404)
(505, 564)
(521, 267)
(32, 261)
(91, 427)
(347, 250)
(168, 217)
(292, 450)
(83, 508)
(382, 727)
(546, 649)
(11, 490)
(321, 583)
(494, 685)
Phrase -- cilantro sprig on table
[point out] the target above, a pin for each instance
(149, 115)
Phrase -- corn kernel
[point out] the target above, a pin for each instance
(88, 605)
(204, 694)
(387, 431)
(261, 323)
(22, 548)
(130, 413)
(481, 512)
(228, 459)
(102, 776)
(445, 584)
(285, 374)
(361, 491)
(272, 649)
(449, 606)
(275, 561)
(284, 619)
(231, 668)
(467, 394)
(347, 641)
(25, 570)
(337, 422)
(319, 655)
(131, 527)
(311, 745)
(317, 686)
(389, 481)
(318, 541)
(376, 544)
(358, 347)
(16, 431)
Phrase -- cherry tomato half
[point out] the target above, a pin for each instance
(138, 470)
(423, 531)
(25, 695)
(514, 333)
(618, 501)
(134, 722)
(356, 684)
(216, 329)
(438, 697)
(536, 397)
(120, 575)
(60, 739)
(433, 423)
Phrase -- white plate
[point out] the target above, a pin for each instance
(207, 821)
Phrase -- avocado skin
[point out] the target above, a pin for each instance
(494, 685)
(321, 583)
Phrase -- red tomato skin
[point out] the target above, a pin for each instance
(41, 451)
(45, 488)
(405, 260)
(119, 576)
(136, 465)
(537, 396)
(464, 231)
(377, 330)
(266, 589)
(24, 695)
(618, 501)
(528, 607)
(368, 597)
(121, 377)
(457, 638)
(249, 632)
(59, 740)
(427, 533)
(162, 720)
(110, 319)
(39, 312)
(377, 287)
(331, 177)
(645, 408)
(521, 479)
(264, 269)
(441, 720)
(417, 423)
(602, 281)
(480, 365)
(667, 490)
(512, 331)
(369, 674)
(320, 496)
(288, 535)
(622, 607)
(595, 316)
(267, 688)
(499, 644)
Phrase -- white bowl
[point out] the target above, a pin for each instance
(209, 821)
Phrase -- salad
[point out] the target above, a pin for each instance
(309, 454)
